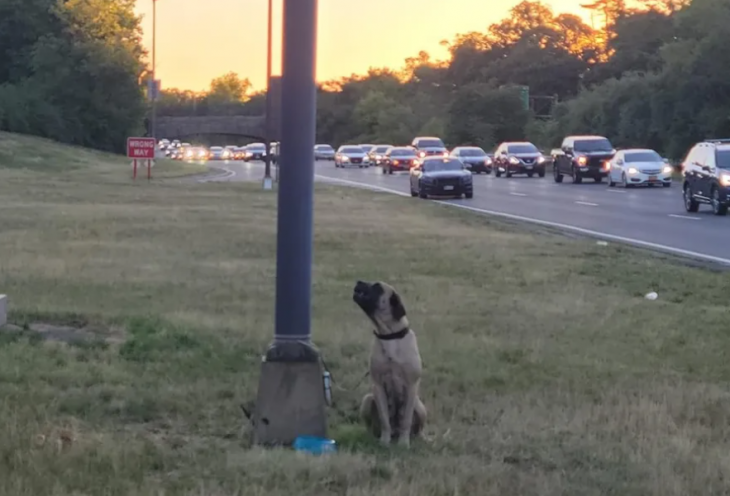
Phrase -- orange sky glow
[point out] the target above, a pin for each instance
(197, 41)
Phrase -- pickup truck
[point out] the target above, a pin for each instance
(582, 157)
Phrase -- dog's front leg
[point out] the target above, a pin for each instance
(381, 401)
(406, 420)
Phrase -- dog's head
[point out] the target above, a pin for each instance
(382, 304)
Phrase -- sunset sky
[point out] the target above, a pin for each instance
(199, 40)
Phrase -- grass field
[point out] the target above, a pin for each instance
(546, 371)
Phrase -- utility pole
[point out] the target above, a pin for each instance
(268, 183)
(291, 400)
(154, 72)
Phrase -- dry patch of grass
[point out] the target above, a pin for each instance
(546, 371)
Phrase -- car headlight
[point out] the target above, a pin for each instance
(421, 154)
(514, 160)
(633, 170)
(346, 158)
(540, 160)
(725, 179)
(668, 169)
(582, 161)
(488, 161)
(446, 154)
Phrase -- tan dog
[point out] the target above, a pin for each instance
(393, 410)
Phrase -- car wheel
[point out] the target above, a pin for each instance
(577, 179)
(422, 194)
(718, 208)
(557, 176)
(541, 173)
(690, 204)
(469, 196)
(625, 181)
(530, 174)
(598, 179)
(507, 174)
(667, 185)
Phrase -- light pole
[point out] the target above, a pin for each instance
(268, 183)
(154, 75)
(291, 400)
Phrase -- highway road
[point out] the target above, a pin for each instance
(649, 217)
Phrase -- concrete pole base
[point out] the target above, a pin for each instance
(291, 399)
(268, 184)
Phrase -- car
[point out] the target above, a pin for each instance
(474, 158)
(255, 151)
(518, 157)
(218, 153)
(196, 153)
(706, 171)
(399, 158)
(639, 166)
(377, 153)
(351, 155)
(239, 152)
(428, 146)
(581, 157)
(324, 152)
(441, 176)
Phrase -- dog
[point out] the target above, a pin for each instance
(393, 410)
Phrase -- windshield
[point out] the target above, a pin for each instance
(257, 146)
(352, 149)
(215, 148)
(642, 157)
(593, 145)
(402, 153)
(442, 165)
(381, 149)
(528, 148)
(472, 152)
(722, 159)
(430, 143)
(366, 148)
(326, 148)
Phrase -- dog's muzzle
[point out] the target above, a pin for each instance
(363, 296)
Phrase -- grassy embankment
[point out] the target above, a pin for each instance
(546, 371)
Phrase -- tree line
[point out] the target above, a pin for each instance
(72, 71)
(652, 74)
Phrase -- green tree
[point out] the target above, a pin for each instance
(229, 88)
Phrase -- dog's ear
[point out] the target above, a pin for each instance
(397, 310)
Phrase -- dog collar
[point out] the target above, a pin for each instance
(395, 335)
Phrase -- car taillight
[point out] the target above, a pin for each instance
(395, 162)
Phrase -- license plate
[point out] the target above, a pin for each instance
(448, 188)
(653, 178)
(528, 167)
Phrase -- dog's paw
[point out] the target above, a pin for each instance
(385, 440)
(404, 442)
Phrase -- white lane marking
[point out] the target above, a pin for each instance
(517, 194)
(588, 204)
(227, 174)
(612, 190)
(688, 217)
(547, 223)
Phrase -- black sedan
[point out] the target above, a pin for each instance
(441, 177)
(474, 158)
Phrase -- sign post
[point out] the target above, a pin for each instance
(141, 149)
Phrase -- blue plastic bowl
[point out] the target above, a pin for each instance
(315, 445)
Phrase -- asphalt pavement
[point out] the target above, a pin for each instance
(653, 218)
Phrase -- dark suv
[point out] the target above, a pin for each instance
(429, 146)
(706, 172)
(518, 158)
(583, 156)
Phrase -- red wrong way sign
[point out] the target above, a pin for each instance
(141, 148)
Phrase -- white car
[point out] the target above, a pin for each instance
(351, 155)
(638, 166)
